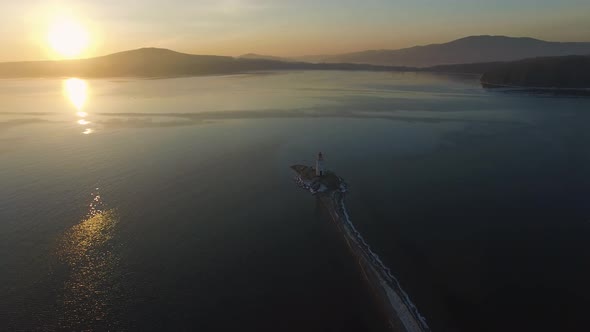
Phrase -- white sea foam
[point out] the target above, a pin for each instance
(396, 295)
(390, 283)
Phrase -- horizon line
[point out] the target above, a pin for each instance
(290, 57)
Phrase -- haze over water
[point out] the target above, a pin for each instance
(165, 204)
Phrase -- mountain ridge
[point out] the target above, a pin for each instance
(470, 49)
(158, 62)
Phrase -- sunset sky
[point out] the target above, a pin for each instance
(277, 27)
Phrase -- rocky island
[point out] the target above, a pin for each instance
(330, 190)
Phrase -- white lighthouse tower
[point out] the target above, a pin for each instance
(319, 165)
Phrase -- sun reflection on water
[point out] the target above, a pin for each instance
(87, 252)
(76, 90)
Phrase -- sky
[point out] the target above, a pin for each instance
(281, 27)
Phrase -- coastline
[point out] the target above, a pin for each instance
(534, 89)
(400, 312)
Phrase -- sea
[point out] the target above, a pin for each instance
(169, 204)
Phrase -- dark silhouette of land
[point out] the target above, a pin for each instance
(465, 68)
(567, 72)
(156, 62)
(570, 71)
(254, 56)
(473, 49)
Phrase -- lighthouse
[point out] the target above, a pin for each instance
(319, 165)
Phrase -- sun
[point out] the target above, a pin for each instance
(67, 37)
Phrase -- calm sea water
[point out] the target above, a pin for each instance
(169, 204)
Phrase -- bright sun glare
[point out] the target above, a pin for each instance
(77, 91)
(67, 37)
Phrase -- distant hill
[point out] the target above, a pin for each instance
(474, 49)
(262, 57)
(567, 72)
(156, 62)
(464, 68)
